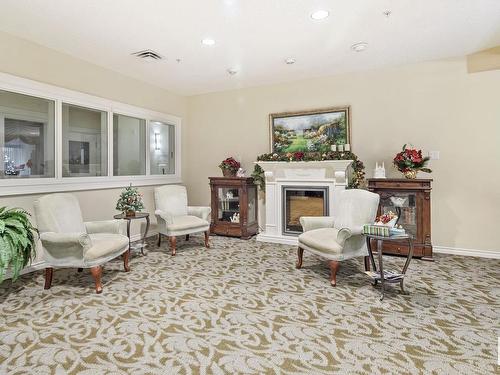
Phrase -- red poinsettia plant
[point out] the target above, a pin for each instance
(410, 159)
(229, 164)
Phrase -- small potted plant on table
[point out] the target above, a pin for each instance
(130, 201)
(410, 161)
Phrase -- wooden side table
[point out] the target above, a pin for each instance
(138, 215)
(388, 276)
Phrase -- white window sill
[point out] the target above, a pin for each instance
(51, 185)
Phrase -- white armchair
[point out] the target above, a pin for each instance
(69, 242)
(176, 218)
(339, 237)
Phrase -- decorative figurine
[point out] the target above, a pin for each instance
(379, 171)
(240, 172)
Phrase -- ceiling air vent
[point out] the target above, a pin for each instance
(147, 55)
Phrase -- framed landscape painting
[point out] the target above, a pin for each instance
(310, 131)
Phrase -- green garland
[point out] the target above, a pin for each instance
(357, 166)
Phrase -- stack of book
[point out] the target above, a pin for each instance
(376, 230)
(383, 231)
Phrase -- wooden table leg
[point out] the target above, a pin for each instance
(407, 263)
(381, 267)
(128, 232)
(145, 235)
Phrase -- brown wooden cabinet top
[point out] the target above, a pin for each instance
(219, 180)
(399, 184)
(400, 179)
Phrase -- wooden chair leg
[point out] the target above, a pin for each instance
(173, 244)
(48, 277)
(207, 236)
(80, 270)
(126, 257)
(159, 239)
(300, 253)
(187, 237)
(96, 274)
(334, 267)
(367, 263)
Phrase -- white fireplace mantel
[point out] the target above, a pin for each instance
(331, 174)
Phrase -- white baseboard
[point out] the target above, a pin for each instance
(40, 265)
(466, 252)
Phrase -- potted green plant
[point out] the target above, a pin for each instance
(130, 201)
(17, 241)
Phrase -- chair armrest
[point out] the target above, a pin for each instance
(345, 233)
(316, 222)
(200, 211)
(60, 245)
(164, 216)
(105, 226)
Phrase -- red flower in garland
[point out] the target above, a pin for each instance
(298, 155)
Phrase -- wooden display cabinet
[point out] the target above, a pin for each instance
(234, 206)
(411, 201)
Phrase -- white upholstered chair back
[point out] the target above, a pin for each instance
(59, 213)
(355, 207)
(172, 199)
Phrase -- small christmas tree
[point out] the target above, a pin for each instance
(130, 201)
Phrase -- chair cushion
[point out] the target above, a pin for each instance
(323, 240)
(105, 244)
(186, 222)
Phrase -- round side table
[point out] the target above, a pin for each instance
(138, 215)
(387, 276)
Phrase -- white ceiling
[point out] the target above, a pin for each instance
(255, 36)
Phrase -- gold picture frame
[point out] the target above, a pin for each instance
(310, 131)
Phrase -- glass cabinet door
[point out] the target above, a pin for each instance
(228, 205)
(252, 205)
(405, 206)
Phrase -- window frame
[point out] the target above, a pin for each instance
(58, 183)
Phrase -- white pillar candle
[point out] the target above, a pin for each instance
(347, 147)
(333, 147)
(340, 147)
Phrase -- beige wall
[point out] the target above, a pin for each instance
(434, 105)
(25, 59)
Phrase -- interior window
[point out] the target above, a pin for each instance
(129, 146)
(85, 141)
(26, 136)
(162, 148)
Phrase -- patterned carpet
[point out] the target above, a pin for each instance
(242, 308)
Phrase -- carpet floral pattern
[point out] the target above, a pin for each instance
(241, 307)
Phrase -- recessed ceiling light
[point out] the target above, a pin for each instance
(320, 14)
(359, 47)
(232, 71)
(290, 61)
(208, 42)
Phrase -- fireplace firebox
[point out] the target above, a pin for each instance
(302, 201)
